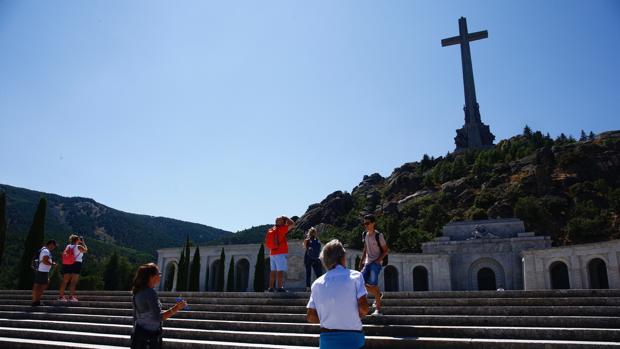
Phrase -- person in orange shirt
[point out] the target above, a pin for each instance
(278, 252)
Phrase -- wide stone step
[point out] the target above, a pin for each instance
(566, 301)
(511, 319)
(60, 340)
(428, 320)
(393, 310)
(23, 343)
(371, 342)
(408, 295)
(179, 329)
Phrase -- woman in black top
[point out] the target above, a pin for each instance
(311, 257)
(147, 310)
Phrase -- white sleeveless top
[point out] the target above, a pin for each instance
(76, 252)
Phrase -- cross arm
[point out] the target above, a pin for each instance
(470, 37)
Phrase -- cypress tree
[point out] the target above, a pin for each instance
(207, 278)
(180, 269)
(219, 281)
(259, 270)
(230, 282)
(2, 223)
(34, 241)
(170, 273)
(111, 279)
(194, 277)
(183, 278)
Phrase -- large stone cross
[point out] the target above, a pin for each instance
(474, 134)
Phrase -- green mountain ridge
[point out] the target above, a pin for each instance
(134, 237)
(98, 222)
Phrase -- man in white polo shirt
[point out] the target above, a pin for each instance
(41, 276)
(338, 301)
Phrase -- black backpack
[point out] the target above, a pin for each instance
(314, 249)
(385, 260)
(34, 263)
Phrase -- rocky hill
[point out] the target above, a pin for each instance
(564, 188)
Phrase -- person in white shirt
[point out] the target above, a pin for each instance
(41, 277)
(338, 301)
(71, 272)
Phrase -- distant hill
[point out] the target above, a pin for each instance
(98, 222)
(253, 235)
(564, 188)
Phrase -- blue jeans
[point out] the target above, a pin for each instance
(371, 273)
(341, 340)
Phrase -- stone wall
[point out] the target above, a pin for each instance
(577, 259)
(502, 256)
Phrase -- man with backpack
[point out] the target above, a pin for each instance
(311, 257)
(374, 256)
(42, 263)
(275, 241)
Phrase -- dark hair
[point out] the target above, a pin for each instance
(143, 276)
(370, 217)
(51, 242)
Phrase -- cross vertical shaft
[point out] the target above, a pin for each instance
(474, 133)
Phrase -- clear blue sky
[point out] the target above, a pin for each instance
(229, 113)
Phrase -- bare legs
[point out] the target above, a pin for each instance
(73, 285)
(63, 284)
(374, 290)
(71, 280)
(37, 292)
(272, 278)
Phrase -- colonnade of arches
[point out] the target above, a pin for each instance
(242, 275)
(596, 270)
(485, 274)
(391, 279)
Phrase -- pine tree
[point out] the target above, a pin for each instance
(259, 270)
(591, 136)
(230, 281)
(219, 278)
(527, 131)
(2, 223)
(34, 241)
(111, 279)
(194, 278)
(582, 136)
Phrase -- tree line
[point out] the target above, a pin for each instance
(116, 271)
(187, 274)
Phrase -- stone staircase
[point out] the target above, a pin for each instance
(510, 319)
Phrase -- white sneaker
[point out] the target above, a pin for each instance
(377, 312)
(374, 303)
(62, 299)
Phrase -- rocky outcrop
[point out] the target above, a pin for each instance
(329, 211)
(547, 170)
